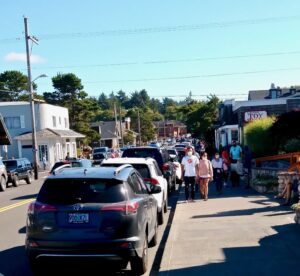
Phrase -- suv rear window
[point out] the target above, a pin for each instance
(144, 153)
(10, 163)
(71, 191)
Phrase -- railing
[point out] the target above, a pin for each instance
(293, 158)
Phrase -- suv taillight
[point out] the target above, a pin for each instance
(165, 167)
(153, 181)
(35, 207)
(129, 207)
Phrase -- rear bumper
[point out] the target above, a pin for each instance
(119, 250)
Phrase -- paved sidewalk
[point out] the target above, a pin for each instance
(237, 233)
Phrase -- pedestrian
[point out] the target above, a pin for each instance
(205, 174)
(247, 165)
(235, 155)
(44, 160)
(67, 156)
(226, 165)
(189, 166)
(217, 164)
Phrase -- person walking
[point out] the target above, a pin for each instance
(189, 166)
(217, 164)
(235, 155)
(44, 160)
(205, 174)
(226, 165)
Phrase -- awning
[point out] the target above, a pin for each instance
(5, 138)
(50, 133)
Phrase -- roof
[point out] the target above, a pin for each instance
(94, 172)
(50, 133)
(169, 122)
(108, 130)
(13, 103)
(128, 160)
(5, 138)
(253, 103)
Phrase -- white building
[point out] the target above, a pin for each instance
(54, 137)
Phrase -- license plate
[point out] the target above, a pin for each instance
(79, 218)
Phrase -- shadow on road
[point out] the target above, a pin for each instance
(276, 255)
(25, 197)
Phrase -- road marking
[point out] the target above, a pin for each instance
(15, 205)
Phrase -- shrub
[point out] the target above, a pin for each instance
(292, 145)
(265, 180)
(258, 137)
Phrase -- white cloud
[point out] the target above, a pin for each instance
(13, 56)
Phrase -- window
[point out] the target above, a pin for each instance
(54, 121)
(66, 123)
(140, 187)
(59, 119)
(12, 122)
(234, 135)
(43, 150)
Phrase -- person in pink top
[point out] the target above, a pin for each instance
(205, 174)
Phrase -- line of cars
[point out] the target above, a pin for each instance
(110, 212)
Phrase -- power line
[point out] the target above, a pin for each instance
(197, 76)
(167, 61)
(161, 29)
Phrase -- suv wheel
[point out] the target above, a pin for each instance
(2, 184)
(15, 181)
(138, 264)
(160, 217)
(154, 240)
(35, 266)
(166, 205)
(28, 178)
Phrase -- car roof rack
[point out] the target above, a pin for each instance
(122, 167)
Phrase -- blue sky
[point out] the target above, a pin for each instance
(254, 44)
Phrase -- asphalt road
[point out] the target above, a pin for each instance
(13, 208)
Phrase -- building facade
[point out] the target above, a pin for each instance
(170, 129)
(54, 137)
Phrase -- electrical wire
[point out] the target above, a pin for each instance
(161, 29)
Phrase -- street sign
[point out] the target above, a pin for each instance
(255, 115)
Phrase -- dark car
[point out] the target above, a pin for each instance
(18, 169)
(3, 176)
(100, 153)
(162, 158)
(104, 213)
(84, 163)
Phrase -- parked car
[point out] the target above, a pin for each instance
(155, 144)
(104, 213)
(100, 153)
(3, 176)
(175, 158)
(85, 163)
(18, 169)
(162, 158)
(151, 174)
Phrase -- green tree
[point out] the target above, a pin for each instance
(103, 101)
(13, 81)
(259, 138)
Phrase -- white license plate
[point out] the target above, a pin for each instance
(78, 218)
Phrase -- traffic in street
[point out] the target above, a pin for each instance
(14, 203)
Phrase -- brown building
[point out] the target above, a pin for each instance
(170, 128)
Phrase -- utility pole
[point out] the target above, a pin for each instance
(116, 121)
(121, 129)
(139, 129)
(30, 90)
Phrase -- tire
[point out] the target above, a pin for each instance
(139, 265)
(28, 179)
(15, 181)
(166, 205)
(2, 184)
(160, 217)
(154, 240)
(35, 267)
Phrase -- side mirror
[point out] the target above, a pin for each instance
(154, 189)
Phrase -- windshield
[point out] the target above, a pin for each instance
(99, 150)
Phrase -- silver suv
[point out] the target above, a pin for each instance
(3, 177)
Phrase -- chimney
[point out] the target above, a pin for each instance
(127, 123)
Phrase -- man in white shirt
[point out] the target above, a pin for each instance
(189, 165)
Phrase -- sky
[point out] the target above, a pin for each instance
(169, 47)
